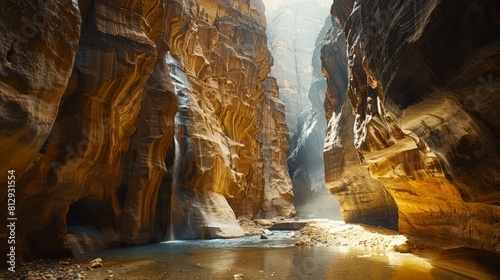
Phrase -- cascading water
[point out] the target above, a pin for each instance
(180, 82)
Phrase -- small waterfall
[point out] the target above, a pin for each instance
(81, 243)
(84, 238)
(171, 235)
(74, 243)
(182, 90)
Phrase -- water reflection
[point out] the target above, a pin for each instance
(222, 259)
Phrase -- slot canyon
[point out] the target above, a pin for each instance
(179, 139)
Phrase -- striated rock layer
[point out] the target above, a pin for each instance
(226, 134)
(278, 192)
(362, 198)
(421, 118)
(144, 121)
(102, 171)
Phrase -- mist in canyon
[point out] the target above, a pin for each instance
(367, 126)
(296, 31)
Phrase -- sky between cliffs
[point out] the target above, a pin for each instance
(271, 5)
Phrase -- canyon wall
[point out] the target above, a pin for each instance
(220, 62)
(362, 198)
(128, 122)
(414, 141)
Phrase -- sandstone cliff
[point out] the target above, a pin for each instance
(221, 64)
(278, 192)
(131, 120)
(417, 132)
(362, 199)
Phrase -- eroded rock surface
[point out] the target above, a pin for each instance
(33, 80)
(230, 125)
(362, 198)
(422, 114)
(103, 164)
(159, 110)
(278, 192)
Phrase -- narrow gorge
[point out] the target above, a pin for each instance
(296, 31)
(127, 123)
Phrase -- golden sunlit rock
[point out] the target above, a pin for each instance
(421, 118)
(230, 129)
(133, 122)
(145, 110)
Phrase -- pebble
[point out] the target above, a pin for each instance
(403, 248)
(238, 276)
(96, 263)
(45, 270)
(301, 243)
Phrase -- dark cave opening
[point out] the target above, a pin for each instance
(84, 221)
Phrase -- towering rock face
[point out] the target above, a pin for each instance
(278, 193)
(362, 198)
(102, 167)
(159, 122)
(306, 162)
(221, 60)
(33, 80)
(424, 138)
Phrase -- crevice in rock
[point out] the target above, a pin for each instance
(10, 53)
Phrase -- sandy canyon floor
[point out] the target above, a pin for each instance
(311, 252)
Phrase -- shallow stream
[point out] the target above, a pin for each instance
(255, 258)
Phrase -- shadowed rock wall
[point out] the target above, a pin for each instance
(422, 100)
(362, 198)
(103, 167)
